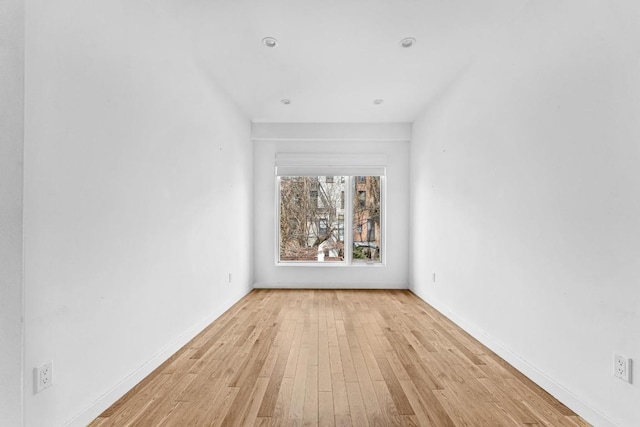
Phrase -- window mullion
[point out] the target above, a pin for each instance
(348, 220)
(278, 237)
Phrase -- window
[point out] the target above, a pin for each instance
(366, 219)
(317, 203)
(317, 234)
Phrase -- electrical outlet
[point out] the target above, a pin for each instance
(622, 368)
(43, 377)
(229, 277)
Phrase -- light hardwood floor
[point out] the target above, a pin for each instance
(335, 357)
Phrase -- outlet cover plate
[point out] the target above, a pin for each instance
(622, 367)
(43, 377)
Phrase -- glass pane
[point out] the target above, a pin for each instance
(311, 219)
(366, 219)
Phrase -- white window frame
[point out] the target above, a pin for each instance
(350, 166)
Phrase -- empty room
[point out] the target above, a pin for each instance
(333, 213)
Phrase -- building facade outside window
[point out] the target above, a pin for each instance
(314, 231)
(315, 207)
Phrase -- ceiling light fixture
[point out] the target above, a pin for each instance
(285, 101)
(407, 42)
(378, 101)
(269, 42)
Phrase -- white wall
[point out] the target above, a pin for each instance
(11, 156)
(525, 201)
(138, 176)
(389, 139)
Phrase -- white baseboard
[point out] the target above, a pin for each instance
(568, 398)
(119, 390)
(299, 285)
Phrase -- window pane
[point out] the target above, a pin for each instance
(366, 219)
(311, 219)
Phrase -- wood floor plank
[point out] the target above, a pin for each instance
(335, 358)
(257, 358)
(335, 361)
(423, 341)
(217, 413)
(340, 396)
(465, 410)
(397, 394)
(512, 409)
(532, 387)
(135, 407)
(356, 405)
(164, 403)
(326, 414)
(396, 366)
(299, 386)
(348, 368)
(283, 402)
(388, 413)
(368, 354)
(370, 400)
(100, 421)
(324, 362)
(313, 344)
(292, 361)
(195, 409)
(270, 362)
(544, 410)
(255, 401)
(464, 350)
(374, 343)
(271, 395)
(417, 404)
(310, 411)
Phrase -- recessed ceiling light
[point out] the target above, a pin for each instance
(285, 101)
(378, 101)
(269, 42)
(407, 42)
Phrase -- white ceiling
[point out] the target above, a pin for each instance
(335, 57)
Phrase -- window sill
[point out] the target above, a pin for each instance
(329, 264)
